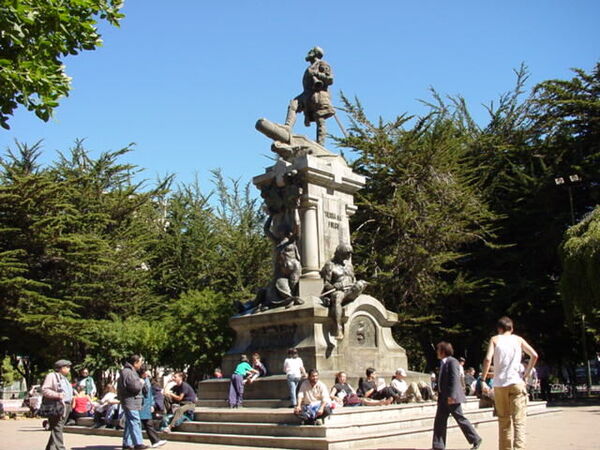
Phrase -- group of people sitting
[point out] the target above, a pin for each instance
(312, 400)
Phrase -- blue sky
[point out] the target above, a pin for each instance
(187, 80)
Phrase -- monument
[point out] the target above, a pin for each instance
(313, 302)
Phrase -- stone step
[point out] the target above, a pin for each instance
(356, 414)
(345, 432)
(330, 430)
(262, 403)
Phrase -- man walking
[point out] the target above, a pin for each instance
(510, 392)
(450, 396)
(129, 392)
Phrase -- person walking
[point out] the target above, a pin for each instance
(510, 392)
(129, 392)
(450, 396)
(56, 386)
(148, 409)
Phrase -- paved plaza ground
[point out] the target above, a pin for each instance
(575, 428)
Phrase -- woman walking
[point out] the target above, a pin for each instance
(148, 409)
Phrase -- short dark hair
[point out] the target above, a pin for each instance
(504, 323)
(132, 359)
(181, 375)
(292, 352)
(243, 358)
(370, 371)
(445, 347)
(143, 369)
(311, 371)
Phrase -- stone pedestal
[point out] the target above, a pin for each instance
(368, 340)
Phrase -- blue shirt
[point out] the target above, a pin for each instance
(66, 388)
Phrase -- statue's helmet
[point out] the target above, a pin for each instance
(343, 251)
(315, 52)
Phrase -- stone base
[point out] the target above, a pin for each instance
(367, 341)
(348, 428)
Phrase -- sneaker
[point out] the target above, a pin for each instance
(159, 444)
(319, 422)
(477, 444)
(166, 430)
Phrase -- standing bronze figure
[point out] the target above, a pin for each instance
(314, 101)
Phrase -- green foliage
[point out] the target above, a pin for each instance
(580, 280)
(109, 341)
(93, 265)
(199, 334)
(219, 247)
(8, 375)
(416, 214)
(35, 36)
(74, 241)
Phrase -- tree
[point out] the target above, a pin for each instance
(416, 213)
(74, 241)
(198, 331)
(35, 36)
(580, 280)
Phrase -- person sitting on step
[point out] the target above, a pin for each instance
(313, 404)
(409, 392)
(184, 395)
(375, 389)
(344, 395)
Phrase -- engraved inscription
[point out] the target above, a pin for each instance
(274, 336)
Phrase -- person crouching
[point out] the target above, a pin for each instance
(236, 386)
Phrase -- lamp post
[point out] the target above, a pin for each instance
(570, 181)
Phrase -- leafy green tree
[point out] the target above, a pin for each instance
(580, 280)
(528, 142)
(198, 330)
(35, 36)
(109, 341)
(8, 374)
(74, 239)
(208, 242)
(416, 213)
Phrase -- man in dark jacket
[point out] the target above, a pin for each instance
(450, 396)
(129, 392)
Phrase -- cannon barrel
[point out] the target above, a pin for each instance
(273, 130)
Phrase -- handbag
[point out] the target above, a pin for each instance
(52, 407)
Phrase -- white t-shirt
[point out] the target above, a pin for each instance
(507, 360)
(400, 385)
(291, 366)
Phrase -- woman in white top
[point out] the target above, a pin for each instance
(293, 367)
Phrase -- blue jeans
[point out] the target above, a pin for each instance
(132, 434)
(293, 385)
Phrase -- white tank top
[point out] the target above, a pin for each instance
(507, 359)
